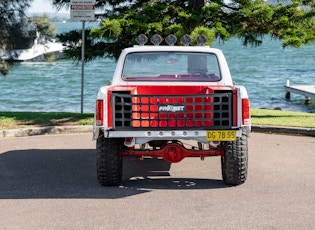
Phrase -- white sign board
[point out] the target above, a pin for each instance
(83, 10)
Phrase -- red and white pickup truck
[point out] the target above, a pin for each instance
(171, 102)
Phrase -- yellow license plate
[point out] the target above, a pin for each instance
(221, 135)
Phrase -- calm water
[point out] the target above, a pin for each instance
(56, 86)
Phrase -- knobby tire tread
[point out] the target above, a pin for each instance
(109, 161)
(235, 161)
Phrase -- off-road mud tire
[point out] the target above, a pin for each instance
(109, 161)
(234, 163)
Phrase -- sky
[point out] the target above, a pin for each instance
(44, 6)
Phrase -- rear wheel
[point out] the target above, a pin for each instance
(109, 161)
(234, 163)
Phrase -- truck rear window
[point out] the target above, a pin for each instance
(171, 66)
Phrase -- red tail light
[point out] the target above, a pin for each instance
(99, 113)
(245, 111)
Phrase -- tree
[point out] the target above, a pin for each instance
(44, 27)
(17, 31)
(12, 18)
(12, 24)
(291, 22)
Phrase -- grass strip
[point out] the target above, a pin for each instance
(282, 118)
(13, 120)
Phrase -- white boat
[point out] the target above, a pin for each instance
(40, 51)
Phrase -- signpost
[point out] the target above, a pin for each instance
(83, 10)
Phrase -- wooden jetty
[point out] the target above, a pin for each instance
(306, 90)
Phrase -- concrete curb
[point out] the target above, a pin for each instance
(284, 130)
(46, 130)
(89, 128)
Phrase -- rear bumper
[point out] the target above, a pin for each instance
(141, 137)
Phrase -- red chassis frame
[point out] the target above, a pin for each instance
(172, 152)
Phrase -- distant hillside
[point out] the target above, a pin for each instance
(53, 16)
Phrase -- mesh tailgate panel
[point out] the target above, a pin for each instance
(134, 112)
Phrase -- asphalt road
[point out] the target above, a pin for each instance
(49, 182)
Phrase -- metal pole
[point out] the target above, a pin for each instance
(82, 60)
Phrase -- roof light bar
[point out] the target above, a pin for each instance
(142, 39)
(156, 39)
(171, 40)
(186, 40)
(201, 40)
